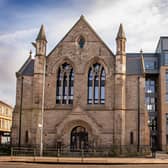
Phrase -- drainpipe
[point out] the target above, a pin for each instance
(138, 144)
(20, 115)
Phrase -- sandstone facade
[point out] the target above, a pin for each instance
(121, 120)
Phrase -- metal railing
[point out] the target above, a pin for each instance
(5, 150)
(114, 151)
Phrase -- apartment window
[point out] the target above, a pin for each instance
(150, 64)
(166, 86)
(65, 85)
(166, 58)
(166, 128)
(6, 111)
(96, 84)
(1, 123)
(150, 92)
(150, 86)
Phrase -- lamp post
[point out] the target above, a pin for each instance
(41, 125)
(41, 139)
(152, 126)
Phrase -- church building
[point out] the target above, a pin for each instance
(83, 96)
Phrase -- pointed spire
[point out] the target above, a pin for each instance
(41, 35)
(121, 33)
(142, 61)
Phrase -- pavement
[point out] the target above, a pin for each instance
(160, 159)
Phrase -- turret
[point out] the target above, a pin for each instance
(120, 53)
(121, 40)
(40, 56)
(39, 83)
(41, 42)
(120, 87)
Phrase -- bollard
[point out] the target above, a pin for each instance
(34, 152)
(11, 153)
(82, 155)
(58, 154)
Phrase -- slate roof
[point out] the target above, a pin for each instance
(29, 69)
(133, 64)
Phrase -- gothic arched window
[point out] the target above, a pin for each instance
(96, 84)
(65, 84)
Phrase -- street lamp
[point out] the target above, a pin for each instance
(152, 126)
(41, 125)
(41, 139)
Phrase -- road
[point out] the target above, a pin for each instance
(36, 165)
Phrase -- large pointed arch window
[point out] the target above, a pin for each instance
(65, 85)
(96, 84)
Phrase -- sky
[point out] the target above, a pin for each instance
(144, 22)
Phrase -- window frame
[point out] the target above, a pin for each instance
(96, 84)
(65, 84)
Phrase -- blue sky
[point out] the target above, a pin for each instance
(144, 22)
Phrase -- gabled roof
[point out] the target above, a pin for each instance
(28, 67)
(82, 19)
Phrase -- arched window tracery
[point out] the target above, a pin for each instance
(65, 84)
(96, 84)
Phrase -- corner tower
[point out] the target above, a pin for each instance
(120, 87)
(39, 82)
(40, 46)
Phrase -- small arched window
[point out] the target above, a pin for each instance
(26, 136)
(96, 84)
(65, 85)
(81, 42)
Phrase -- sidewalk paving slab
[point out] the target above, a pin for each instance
(79, 160)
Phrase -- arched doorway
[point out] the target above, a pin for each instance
(79, 139)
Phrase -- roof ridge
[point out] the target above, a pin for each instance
(81, 18)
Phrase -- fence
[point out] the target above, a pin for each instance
(126, 151)
(5, 150)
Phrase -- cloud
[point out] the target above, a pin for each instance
(144, 22)
(13, 52)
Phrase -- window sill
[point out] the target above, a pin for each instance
(95, 106)
(64, 106)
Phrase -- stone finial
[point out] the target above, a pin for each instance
(81, 17)
(121, 33)
(41, 35)
(30, 53)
